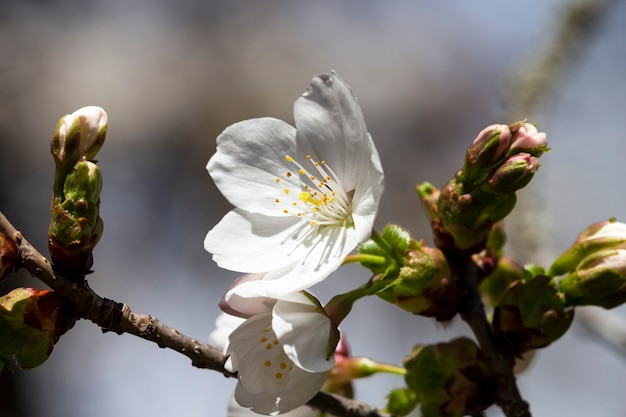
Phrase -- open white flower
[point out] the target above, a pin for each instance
(225, 324)
(305, 197)
(281, 356)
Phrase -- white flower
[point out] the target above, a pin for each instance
(225, 324)
(305, 197)
(281, 356)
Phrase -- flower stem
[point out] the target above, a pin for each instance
(363, 257)
(340, 305)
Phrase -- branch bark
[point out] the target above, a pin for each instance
(501, 360)
(119, 318)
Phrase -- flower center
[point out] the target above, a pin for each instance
(321, 198)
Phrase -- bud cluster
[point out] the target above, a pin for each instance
(501, 160)
(450, 379)
(414, 277)
(76, 225)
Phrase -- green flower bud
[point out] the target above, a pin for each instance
(429, 194)
(78, 136)
(514, 174)
(8, 255)
(450, 379)
(469, 217)
(526, 139)
(532, 314)
(31, 322)
(487, 151)
(75, 225)
(603, 235)
(494, 286)
(424, 284)
(599, 279)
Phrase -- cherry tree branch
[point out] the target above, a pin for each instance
(119, 318)
(500, 359)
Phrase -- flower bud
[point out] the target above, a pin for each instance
(424, 284)
(602, 235)
(487, 150)
(31, 322)
(76, 226)
(450, 379)
(526, 139)
(599, 279)
(78, 136)
(429, 194)
(8, 255)
(532, 314)
(495, 285)
(514, 174)
(468, 216)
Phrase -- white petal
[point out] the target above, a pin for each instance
(258, 357)
(324, 255)
(302, 387)
(249, 242)
(236, 410)
(245, 307)
(304, 333)
(330, 125)
(225, 324)
(250, 157)
(367, 196)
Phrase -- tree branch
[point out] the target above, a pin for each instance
(501, 360)
(119, 318)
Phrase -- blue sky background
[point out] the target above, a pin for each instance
(429, 76)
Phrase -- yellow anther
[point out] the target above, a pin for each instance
(277, 200)
(288, 158)
(267, 329)
(306, 197)
(288, 174)
(268, 363)
(277, 179)
(308, 157)
(282, 365)
(278, 375)
(285, 211)
(268, 346)
(286, 191)
(275, 341)
(263, 339)
(301, 172)
(312, 223)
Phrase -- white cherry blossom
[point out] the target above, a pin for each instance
(304, 197)
(281, 356)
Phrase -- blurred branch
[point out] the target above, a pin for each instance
(119, 318)
(533, 84)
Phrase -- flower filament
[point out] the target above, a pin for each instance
(322, 200)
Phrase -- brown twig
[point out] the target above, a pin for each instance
(500, 359)
(119, 318)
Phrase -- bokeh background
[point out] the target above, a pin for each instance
(172, 75)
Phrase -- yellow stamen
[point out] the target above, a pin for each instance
(306, 197)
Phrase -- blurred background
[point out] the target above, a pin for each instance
(172, 75)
